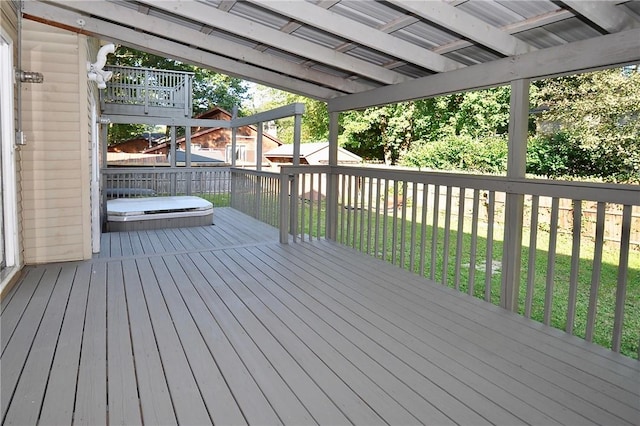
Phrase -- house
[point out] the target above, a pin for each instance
(313, 153)
(138, 144)
(134, 145)
(343, 312)
(216, 142)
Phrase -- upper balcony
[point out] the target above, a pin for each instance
(147, 92)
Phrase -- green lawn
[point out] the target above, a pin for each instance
(353, 233)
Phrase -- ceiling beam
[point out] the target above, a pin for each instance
(146, 42)
(233, 24)
(215, 44)
(516, 27)
(572, 58)
(605, 15)
(349, 29)
(466, 25)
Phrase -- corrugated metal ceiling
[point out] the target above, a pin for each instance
(284, 44)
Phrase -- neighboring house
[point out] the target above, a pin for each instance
(137, 144)
(134, 145)
(215, 142)
(50, 194)
(315, 153)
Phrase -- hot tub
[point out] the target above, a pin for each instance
(135, 214)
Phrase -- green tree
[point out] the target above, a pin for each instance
(209, 89)
(598, 114)
(379, 133)
(315, 120)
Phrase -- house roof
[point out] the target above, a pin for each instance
(195, 158)
(210, 113)
(355, 54)
(311, 149)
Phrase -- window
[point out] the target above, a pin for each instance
(241, 153)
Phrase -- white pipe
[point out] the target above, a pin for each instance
(101, 59)
(95, 71)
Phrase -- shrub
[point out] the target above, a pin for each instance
(460, 152)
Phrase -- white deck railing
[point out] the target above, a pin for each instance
(257, 193)
(211, 183)
(148, 88)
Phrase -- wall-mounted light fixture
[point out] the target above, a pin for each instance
(95, 71)
(30, 77)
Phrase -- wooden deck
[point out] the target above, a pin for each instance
(223, 325)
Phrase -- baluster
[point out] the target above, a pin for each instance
(621, 289)
(575, 265)
(474, 242)
(459, 242)
(551, 261)
(434, 232)
(488, 273)
(533, 245)
(447, 231)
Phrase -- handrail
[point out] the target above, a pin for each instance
(606, 192)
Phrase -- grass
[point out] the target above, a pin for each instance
(401, 255)
(218, 200)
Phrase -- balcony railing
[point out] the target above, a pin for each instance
(145, 91)
(211, 183)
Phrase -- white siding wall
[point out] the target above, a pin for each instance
(55, 166)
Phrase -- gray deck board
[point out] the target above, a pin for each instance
(185, 394)
(122, 391)
(430, 345)
(223, 325)
(91, 390)
(33, 379)
(213, 388)
(155, 400)
(369, 338)
(57, 406)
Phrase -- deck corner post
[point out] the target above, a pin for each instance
(332, 181)
(187, 159)
(514, 207)
(234, 136)
(284, 206)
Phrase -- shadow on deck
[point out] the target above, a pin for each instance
(224, 325)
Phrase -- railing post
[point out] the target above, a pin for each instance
(514, 207)
(187, 159)
(284, 206)
(146, 91)
(332, 180)
(258, 201)
(173, 176)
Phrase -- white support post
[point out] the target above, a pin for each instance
(187, 146)
(234, 132)
(284, 206)
(332, 179)
(259, 147)
(172, 162)
(516, 167)
(258, 211)
(187, 156)
(293, 210)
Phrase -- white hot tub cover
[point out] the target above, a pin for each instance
(130, 209)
